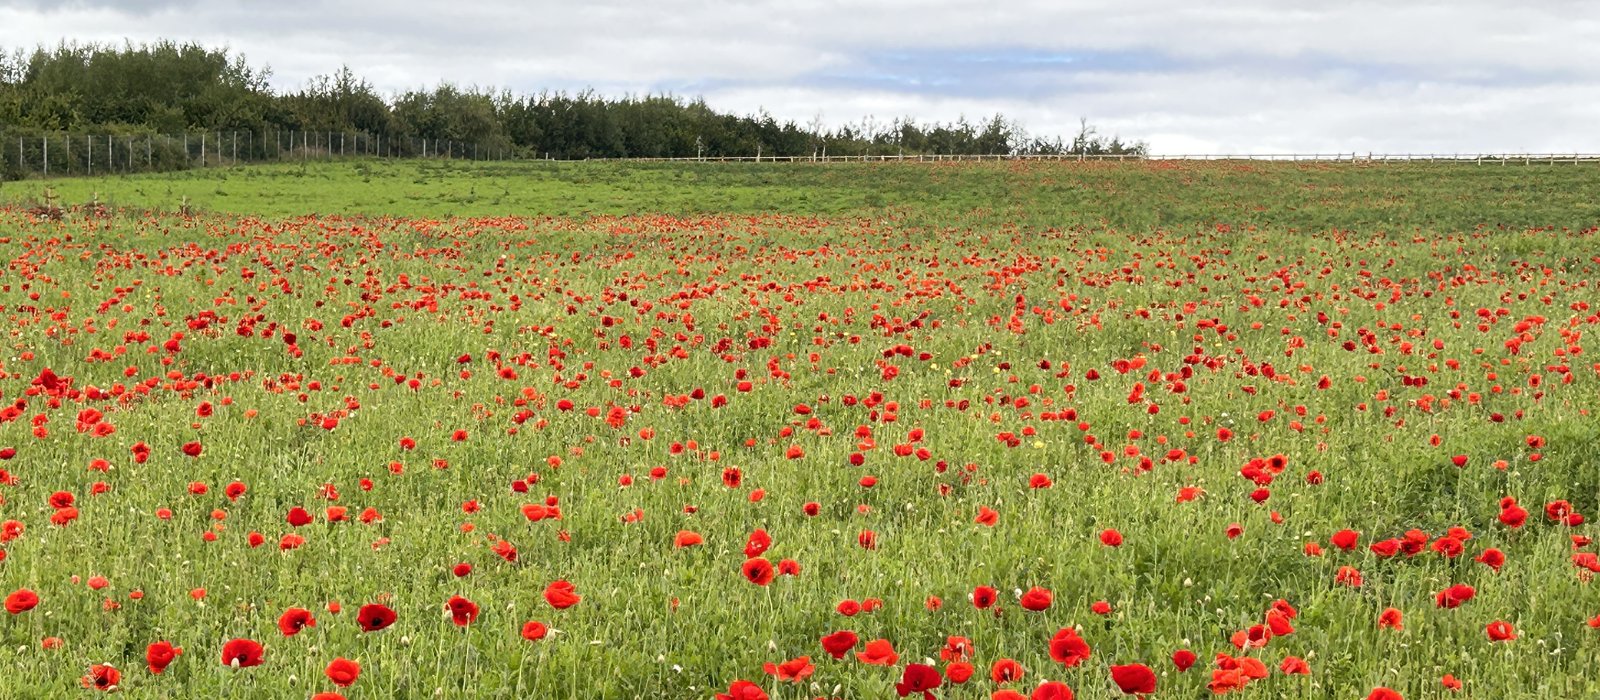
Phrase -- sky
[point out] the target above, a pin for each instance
(1242, 76)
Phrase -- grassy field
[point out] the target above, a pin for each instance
(966, 413)
(1284, 196)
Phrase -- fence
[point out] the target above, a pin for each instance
(34, 154)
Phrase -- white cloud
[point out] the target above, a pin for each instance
(1251, 76)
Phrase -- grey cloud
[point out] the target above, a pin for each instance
(1252, 75)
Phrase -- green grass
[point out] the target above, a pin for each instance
(1132, 196)
(396, 270)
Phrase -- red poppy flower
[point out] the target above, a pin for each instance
(686, 538)
(374, 616)
(1386, 548)
(878, 652)
(1036, 599)
(794, 670)
(1511, 514)
(1500, 631)
(102, 677)
(463, 612)
(1345, 539)
(743, 690)
(342, 672)
(561, 595)
(757, 543)
(839, 643)
(534, 631)
(1454, 596)
(1183, 659)
(1450, 547)
(1294, 666)
(62, 517)
(10, 530)
(1450, 683)
(1134, 679)
(959, 672)
(984, 596)
(1068, 649)
(242, 653)
(1492, 558)
(1391, 618)
(956, 649)
(1111, 538)
(159, 655)
(757, 571)
(21, 601)
(1051, 690)
(867, 539)
(295, 619)
(192, 449)
(918, 678)
(1227, 680)
(1006, 670)
(1348, 576)
(298, 517)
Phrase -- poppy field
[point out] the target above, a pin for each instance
(987, 431)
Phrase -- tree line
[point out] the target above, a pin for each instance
(167, 87)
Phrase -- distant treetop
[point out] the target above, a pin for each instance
(165, 87)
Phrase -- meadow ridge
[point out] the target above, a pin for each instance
(618, 430)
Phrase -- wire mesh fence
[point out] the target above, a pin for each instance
(34, 154)
(42, 154)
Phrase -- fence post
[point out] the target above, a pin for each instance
(47, 156)
(88, 147)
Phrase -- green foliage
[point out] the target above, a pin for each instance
(1295, 198)
(168, 88)
(538, 278)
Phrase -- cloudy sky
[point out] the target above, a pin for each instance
(1242, 76)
